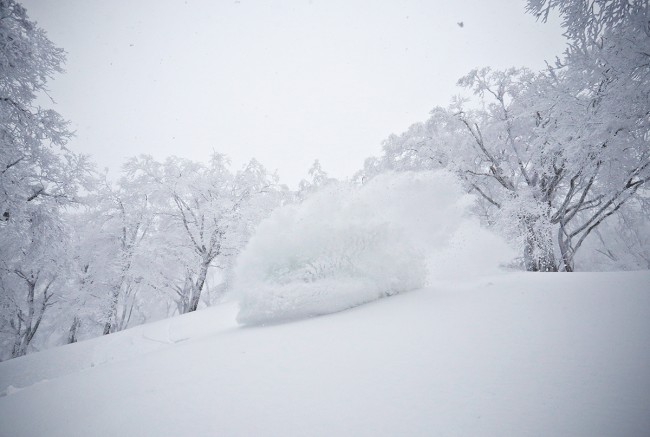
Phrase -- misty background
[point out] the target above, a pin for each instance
(286, 82)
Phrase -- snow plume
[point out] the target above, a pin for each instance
(347, 245)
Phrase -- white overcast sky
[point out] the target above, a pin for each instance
(285, 82)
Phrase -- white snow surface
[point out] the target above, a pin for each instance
(514, 354)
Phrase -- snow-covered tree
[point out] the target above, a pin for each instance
(38, 176)
(594, 112)
(36, 169)
(551, 155)
(589, 22)
(209, 213)
(318, 179)
(32, 281)
(622, 242)
(126, 220)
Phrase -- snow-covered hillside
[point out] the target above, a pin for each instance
(514, 354)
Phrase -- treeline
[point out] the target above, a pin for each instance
(558, 161)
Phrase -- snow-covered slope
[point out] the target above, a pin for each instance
(516, 354)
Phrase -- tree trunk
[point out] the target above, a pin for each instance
(72, 334)
(20, 348)
(22, 342)
(539, 255)
(24, 337)
(566, 250)
(200, 281)
(107, 328)
(111, 314)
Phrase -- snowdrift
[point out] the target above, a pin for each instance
(347, 245)
(516, 354)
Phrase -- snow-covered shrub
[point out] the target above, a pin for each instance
(346, 245)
